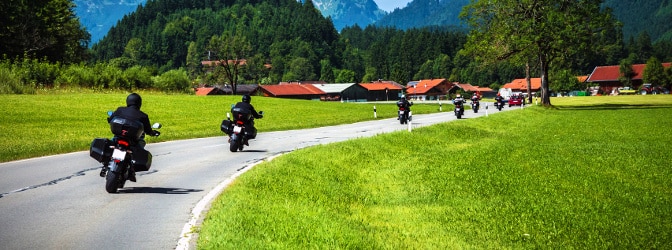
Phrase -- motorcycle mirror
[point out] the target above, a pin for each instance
(261, 112)
(156, 125)
(228, 115)
(109, 113)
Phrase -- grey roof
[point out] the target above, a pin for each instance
(333, 87)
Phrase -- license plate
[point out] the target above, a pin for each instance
(237, 129)
(118, 154)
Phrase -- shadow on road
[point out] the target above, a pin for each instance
(253, 151)
(158, 190)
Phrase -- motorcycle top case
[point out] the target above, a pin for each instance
(100, 149)
(127, 129)
(142, 159)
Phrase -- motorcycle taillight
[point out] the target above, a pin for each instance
(239, 122)
(123, 143)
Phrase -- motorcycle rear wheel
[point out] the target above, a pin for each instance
(112, 182)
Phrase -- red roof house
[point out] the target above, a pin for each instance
(429, 89)
(296, 91)
(382, 90)
(607, 76)
(520, 85)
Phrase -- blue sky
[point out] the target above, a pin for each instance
(390, 5)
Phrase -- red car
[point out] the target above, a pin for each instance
(516, 100)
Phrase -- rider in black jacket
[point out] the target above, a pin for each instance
(132, 112)
(247, 108)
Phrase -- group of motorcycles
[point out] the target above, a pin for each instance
(121, 158)
(459, 109)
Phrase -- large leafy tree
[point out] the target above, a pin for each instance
(42, 29)
(231, 52)
(546, 30)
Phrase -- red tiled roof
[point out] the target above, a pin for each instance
(521, 84)
(204, 91)
(380, 86)
(292, 89)
(611, 73)
(424, 86)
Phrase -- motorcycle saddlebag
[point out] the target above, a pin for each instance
(127, 129)
(100, 149)
(226, 126)
(142, 159)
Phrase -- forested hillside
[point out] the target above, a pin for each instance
(422, 13)
(652, 16)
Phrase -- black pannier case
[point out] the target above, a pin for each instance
(127, 129)
(142, 159)
(100, 149)
(226, 126)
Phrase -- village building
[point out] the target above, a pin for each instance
(383, 90)
(607, 77)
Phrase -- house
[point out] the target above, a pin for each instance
(606, 77)
(383, 90)
(342, 92)
(482, 91)
(520, 86)
(294, 91)
(429, 89)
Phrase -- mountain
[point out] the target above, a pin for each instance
(652, 16)
(98, 16)
(422, 13)
(350, 12)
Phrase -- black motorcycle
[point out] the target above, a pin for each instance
(475, 105)
(238, 133)
(404, 115)
(459, 109)
(499, 104)
(119, 156)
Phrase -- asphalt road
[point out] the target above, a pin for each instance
(59, 202)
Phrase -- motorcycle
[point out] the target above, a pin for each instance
(404, 115)
(118, 156)
(459, 110)
(475, 105)
(499, 104)
(238, 133)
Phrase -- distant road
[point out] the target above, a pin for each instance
(59, 202)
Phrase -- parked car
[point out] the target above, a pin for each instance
(516, 100)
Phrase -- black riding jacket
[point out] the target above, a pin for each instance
(134, 114)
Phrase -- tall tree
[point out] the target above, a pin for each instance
(654, 72)
(231, 52)
(549, 30)
(42, 29)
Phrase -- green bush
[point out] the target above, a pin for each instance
(10, 83)
(173, 80)
(77, 75)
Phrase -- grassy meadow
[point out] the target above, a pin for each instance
(589, 173)
(67, 121)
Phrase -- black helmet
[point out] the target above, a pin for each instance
(134, 100)
(247, 98)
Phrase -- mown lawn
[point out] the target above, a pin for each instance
(590, 173)
(62, 122)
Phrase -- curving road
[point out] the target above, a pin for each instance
(59, 202)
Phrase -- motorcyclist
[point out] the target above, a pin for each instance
(132, 112)
(499, 100)
(247, 108)
(459, 101)
(405, 104)
(475, 98)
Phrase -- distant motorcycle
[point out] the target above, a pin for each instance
(119, 156)
(238, 133)
(475, 105)
(459, 109)
(499, 104)
(405, 115)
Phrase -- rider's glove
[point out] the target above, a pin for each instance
(156, 133)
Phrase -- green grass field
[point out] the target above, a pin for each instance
(53, 123)
(590, 173)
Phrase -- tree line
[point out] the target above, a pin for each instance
(162, 44)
